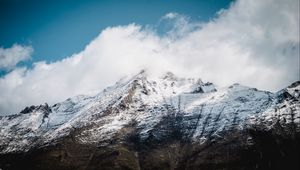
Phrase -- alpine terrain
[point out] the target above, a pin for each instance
(143, 122)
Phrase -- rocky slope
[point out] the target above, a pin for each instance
(158, 123)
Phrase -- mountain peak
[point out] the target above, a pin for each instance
(169, 76)
(142, 111)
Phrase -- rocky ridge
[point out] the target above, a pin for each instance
(165, 123)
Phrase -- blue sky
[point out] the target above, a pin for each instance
(59, 28)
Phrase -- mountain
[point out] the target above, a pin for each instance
(166, 122)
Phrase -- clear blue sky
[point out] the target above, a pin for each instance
(59, 28)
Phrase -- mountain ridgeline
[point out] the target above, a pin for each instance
(158, 123)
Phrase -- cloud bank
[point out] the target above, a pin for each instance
(254, 42)
(10, 57)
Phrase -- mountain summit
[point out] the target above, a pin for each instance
(157, 123)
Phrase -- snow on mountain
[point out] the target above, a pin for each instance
(203, 109)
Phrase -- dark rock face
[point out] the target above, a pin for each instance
(253, 148)
(30, 109)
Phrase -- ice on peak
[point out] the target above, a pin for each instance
(176, 83)
(169, 76)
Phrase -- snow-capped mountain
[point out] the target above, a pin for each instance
(145, 113)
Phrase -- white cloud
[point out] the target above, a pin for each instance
(170, 15)
(176, 26)
(254, 42)
(10, 57)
